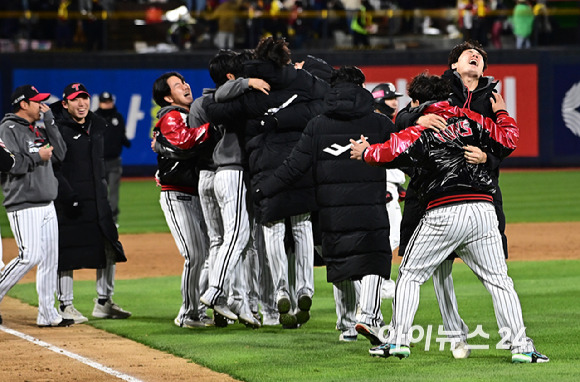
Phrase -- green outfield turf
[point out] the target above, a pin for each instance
(549, 293)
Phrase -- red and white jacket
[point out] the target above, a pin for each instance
(443, 176)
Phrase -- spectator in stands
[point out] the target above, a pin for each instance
(523, 20)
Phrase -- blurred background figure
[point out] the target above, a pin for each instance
(226, 15)
(523, 20)
(362, 25)
(115, 139)
(542, 28)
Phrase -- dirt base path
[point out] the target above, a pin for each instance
(156, 255)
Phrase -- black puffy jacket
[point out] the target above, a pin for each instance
(350, 196)
(266, 149)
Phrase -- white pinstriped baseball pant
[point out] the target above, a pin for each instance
(453, 324)
(349, 294)
(266, 290)
(185, 220)
(36, 233)
(213, 221)
(274, 233)
(469, 229)
(230, 191)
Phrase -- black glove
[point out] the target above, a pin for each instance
(268, 122)
(389, 197)
(402, 193)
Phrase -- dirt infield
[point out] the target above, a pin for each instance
(156, 255)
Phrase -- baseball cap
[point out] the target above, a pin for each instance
(73, 90)
(28, 93)
(105, 96)
(385, 91)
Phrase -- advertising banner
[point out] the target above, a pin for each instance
(566, 112)
(518, 84)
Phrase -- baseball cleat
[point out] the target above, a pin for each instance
(249, 320)
(344, 337)
(372, 333)
(387, 350)
(219, 320)
(283, 303)
(303, 311)
(460, 350)
(70, 313)
(530, 357)
(225, 311)
(188, 322)
(109, 310)
(59, 323)
(288, 321)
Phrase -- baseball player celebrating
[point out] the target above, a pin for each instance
(460, 213)
(30, 188)
(178, 178)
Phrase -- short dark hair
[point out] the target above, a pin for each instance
(275, 50)
(239, 60)
(459, 48)
(425, 87)
(161, 88)
(220, 65)
(347, 74)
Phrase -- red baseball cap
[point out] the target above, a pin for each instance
(27, 93)
(73, 90)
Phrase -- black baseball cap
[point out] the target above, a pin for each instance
(73, 90)
(105, 96)
(385, 91)
(27, 93)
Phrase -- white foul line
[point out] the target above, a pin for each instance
(74, 356)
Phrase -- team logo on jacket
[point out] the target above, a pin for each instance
(570, 109)
(33, 146)
(337, 150)
(114, 121)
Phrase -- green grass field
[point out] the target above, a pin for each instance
(549, 293)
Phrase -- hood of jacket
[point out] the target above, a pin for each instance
(348, 101)
(13, 117)
(166, 109)
(485, 86)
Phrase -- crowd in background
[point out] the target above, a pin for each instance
(96, 25)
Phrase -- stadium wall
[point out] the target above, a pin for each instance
(541, 88)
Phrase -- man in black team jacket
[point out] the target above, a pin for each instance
(472, 90)
(357, 253)
(88, 237)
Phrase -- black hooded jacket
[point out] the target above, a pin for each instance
(266, 146)
(84, 228)
(350, 196)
